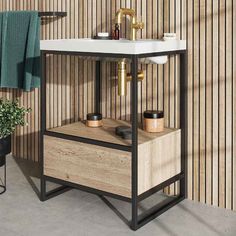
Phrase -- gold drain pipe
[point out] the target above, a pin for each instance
(124, 77)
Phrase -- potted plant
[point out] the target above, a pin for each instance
(11, 115)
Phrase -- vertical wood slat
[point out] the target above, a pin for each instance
(202, 100)
(210, 29)
(229, 105)
(160, 76)
(215, 120)
(209, 115)
(154, 34)
(222, 147)
(196, 111)
(190, 19)
(234, 104)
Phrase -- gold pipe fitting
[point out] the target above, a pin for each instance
(140, 76)
(122, 79)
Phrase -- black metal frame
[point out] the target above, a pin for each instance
(137, 220)
(4, 186)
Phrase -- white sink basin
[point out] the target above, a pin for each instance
(113, 46)
(122, 46)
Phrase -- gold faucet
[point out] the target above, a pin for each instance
(134, 25)
(123, 77)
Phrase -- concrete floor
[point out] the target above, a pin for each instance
(82, 214)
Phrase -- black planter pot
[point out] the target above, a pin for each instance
(5, 148)
(2, 160)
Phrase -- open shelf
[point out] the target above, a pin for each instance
(107, 132)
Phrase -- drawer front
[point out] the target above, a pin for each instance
(89, 165)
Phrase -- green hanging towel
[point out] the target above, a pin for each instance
(20, 50)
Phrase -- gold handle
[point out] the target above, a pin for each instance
(138, 25)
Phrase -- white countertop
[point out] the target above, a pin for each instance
(113, 46)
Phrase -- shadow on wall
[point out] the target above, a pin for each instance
(69, 85)
(217, 13)
(26, 139)
(48, 20)
(26, 143)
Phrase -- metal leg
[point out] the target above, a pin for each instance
(43, 123)
(183, 121)
(4, 186)
(134, 105)
(140, 220)
(43, 190)
(98, 87)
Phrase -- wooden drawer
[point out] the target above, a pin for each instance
(110, 170)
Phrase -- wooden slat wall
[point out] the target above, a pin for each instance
(210, 29)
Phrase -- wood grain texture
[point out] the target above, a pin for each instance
(210, 29)
(106, 133)
(157, 162)
(92, 167)
(108, 169)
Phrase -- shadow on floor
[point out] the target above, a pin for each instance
(199, 219)
(31, 171)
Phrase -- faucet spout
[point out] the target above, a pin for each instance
(124, 11)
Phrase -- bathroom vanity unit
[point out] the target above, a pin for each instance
(101, 162)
